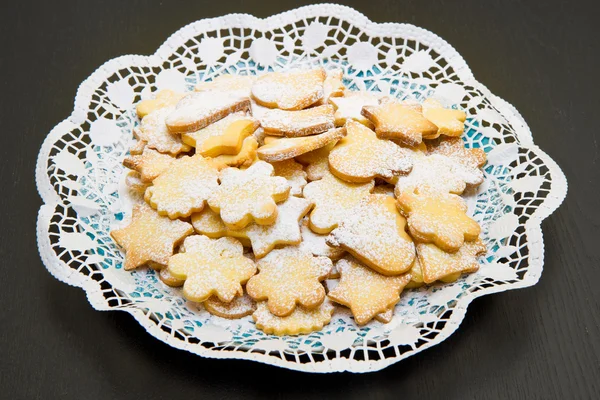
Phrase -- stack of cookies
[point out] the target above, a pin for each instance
(287, 195)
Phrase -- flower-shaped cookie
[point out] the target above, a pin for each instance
(149, 237)
(361, 156)
(449, 122)
(211, 267)
(333, 199)
(249, 195)
(399, 121)
(436, 264)
(183, 187)
(155, 134)
(374, 233)
(293, 90)
(301, 320)
(439, 218)
(454, 148)
(289, 277)
(366, 292)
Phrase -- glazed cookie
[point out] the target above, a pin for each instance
(298, 123)
(333, 199)
(293, 172)
(350, 107)
(449, 122)
(316, 162)
(293, 90)
(155, 134)
(237, 308)
(301, 320)
(366, 292)
(316, 244)
(149, 164)
(249, 195)
(439, 173)
(374, 233)
(285, 230)
(286, 148)
(200, 109)
(288, 277)
(211, 267)
(163, 98)
(149, 237)
(244, 159)
(225, 136)
(439, 218)
(362, 156)
(182, 188)
(398, 121)
(228, 83)
(436, 264)
(453, 148)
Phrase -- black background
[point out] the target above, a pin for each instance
(540, 342)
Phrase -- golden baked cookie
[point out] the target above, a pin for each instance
(305, 122)
(149, 237)
(211, 267)
(222, 137)
(164, 98)
(285, 148)
(183, 188)
(301, 320)
(137, 148)
(228, 83)
(333, 86)
(449, 122)
(248, 195)
(436, 264)
(149, 164)
(209, 223)
(333, 199)
(244, 159)
(453, 147)
(155, 134)
(374, 232)
(316, 244)
(439, 218)
(237, 308)
(199, 109)
(350, 107)
(361, 156)
(386, 316)
(292, 90)
(316, 162)
(293, 172)
(133, 180)
(289, 277)
(366, 292)
(398, 121)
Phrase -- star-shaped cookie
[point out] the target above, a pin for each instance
(149, 237)
(436, 264)
(211, 267)
(450, 122)
(149, 164)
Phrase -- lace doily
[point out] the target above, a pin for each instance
(80, 178)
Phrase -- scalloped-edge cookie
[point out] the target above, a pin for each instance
(211, 267)
(305, 122)
(200, 109)
(285, 148)
(361, 156)
(436, 264)
(248, 195)
(163, 98)
(292, 90)
(301, 320)
(374, 233)
(149, 237)
(239, 307)
(183, 187)
(439, 218)
(333, 199)
(289, 277)
(155, 134)
(366, 292)
(399, 121)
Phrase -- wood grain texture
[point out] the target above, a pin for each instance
(537, 343)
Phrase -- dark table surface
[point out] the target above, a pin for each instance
(540, 342)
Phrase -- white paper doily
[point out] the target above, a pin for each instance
(79, 177)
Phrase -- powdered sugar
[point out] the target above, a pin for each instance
(298, 123)
(289, 90)
(153, 131)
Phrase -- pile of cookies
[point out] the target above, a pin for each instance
(286, 195)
